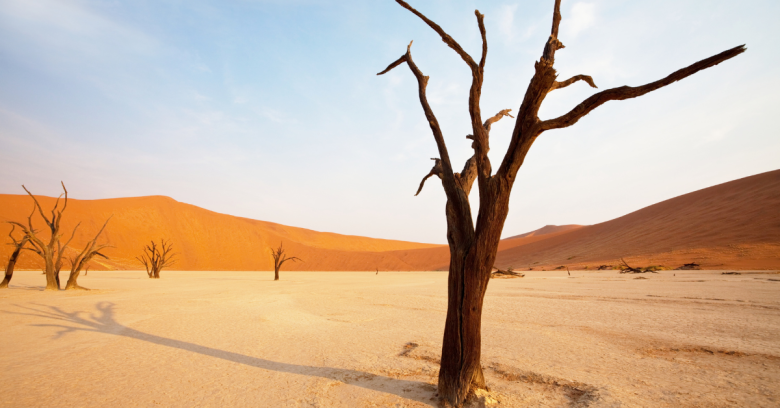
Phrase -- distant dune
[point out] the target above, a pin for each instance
(206, 240)
(731, 225)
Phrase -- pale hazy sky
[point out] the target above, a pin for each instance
(272, 109)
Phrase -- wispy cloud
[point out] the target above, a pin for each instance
(583, 16)
(506, 20)
(68, 31)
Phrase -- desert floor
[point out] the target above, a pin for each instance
(354, 339)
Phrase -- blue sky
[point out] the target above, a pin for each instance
(271, 109)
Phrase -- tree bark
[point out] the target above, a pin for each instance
(9, 269)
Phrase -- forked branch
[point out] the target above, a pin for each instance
(422, 82)
(628, 92)
(448, 39)
(80, 261)
(435, 171)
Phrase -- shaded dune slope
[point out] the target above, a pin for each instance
(731, 225)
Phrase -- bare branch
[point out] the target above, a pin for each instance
(564, 84)
(396, 63)
(552, 45)
(481, 23)
(496, 118)
(627, 92)
(444, 36)
(294, 259)
(37, 205)
(556, 19)
(468, 175)
(435, 171)
(422, 83)
(74, 234)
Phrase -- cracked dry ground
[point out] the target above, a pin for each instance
(352, 339)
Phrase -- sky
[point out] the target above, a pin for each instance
(272, 109)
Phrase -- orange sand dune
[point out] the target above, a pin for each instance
(731, 225)
(205, 240)
(546, 230)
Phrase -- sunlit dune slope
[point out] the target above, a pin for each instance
(546, 230)
(731, 225)
(205, 240)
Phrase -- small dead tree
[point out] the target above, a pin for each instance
(155, 258)
(9, 268)
(52, 251)
(280, 258)
(81, 260)
(473, 247)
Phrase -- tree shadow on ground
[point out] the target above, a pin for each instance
(103, 321)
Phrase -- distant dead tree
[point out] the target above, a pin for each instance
(155, 258)
(52, 251)
(280, 258)
(18, 246)
(473, 248)
(81, 260)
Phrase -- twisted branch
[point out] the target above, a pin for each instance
(564, 84)
(435, 171)
(628, 92)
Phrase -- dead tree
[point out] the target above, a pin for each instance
(81, 260)
(9, 268)
(155, 258)
(473, 248)
(52, 251)
(280, 258)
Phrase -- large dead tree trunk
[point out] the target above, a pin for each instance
(279, 259)
(9, 268)
(155, 258)
(473, 248)
(52, 251)
(81, 260)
